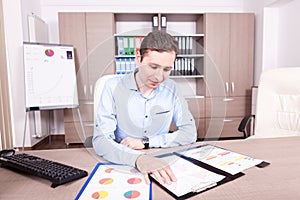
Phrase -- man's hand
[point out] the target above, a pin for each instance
(132, 143)
(161, 170)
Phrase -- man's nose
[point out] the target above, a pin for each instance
(159, 75)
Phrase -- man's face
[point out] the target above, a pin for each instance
(155, 67)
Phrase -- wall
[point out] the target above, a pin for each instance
(277, 33)
(288, 35)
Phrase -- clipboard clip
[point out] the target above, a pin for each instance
(203, 186)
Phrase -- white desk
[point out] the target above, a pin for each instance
(280, 180)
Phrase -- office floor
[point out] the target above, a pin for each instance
(56, 142)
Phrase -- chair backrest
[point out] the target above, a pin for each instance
(98, 90)
(97, 94)
(278, 103)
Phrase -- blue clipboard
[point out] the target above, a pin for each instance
(90, 191)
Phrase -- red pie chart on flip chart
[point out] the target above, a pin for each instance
(134, 180)
(49, 52)
(132, 194)
(100, 195)
(106, 181)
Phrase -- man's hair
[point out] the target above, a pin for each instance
(158, 41)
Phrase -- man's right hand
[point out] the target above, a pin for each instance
(160, 169)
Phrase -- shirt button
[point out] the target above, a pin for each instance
(146, 116)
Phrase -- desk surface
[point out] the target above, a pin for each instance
(280, 180)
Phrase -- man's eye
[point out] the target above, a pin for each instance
(153, 66)
(167, 69)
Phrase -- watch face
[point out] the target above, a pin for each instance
(145, 140)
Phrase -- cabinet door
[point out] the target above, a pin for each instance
(100, 47)
(234, 107)
(216, 44)
(229, 40)
(72, 31)
(229, 45)
(229, 128)
(241, 53)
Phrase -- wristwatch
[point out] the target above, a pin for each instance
(145, 141)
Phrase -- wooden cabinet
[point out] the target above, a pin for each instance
(228, 113)
(222, 50)
(91, 34)
(241, 54)
(229, 44)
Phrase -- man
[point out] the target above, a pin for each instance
(135, 111)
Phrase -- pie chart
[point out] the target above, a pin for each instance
(100, 195)
(106, 181)
(132, 194)
(108, 170)
(49, 52)
(134, 180)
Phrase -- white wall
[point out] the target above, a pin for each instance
(289, 35)
(277, 33)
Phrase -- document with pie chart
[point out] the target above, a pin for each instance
(111, 182)
(223, 159)
(190, 177)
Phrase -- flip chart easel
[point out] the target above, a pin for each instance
(50, 78)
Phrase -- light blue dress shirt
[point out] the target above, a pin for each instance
(123, 111)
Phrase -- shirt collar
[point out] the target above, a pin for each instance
(131, 83)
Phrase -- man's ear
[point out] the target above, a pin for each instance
(138, 57)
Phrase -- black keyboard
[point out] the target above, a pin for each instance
(55, 172)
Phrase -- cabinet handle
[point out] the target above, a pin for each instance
(84, 90)
(228, 120)
(89, 124)
(91, 90)
(232, 87)
(228, 99)
(226, 87)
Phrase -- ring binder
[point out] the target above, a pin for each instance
(195, 176)
(155, 22)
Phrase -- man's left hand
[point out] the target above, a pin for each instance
(132, 143)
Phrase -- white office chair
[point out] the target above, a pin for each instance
(97, 93)
(98, 90)
(278, 103)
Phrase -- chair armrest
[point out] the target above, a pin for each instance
(88, 142)
(243, 124)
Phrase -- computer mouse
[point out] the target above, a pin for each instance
(7, 152)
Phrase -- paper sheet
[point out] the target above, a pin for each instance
(111, 182)
(220, 158)
(190, 177)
